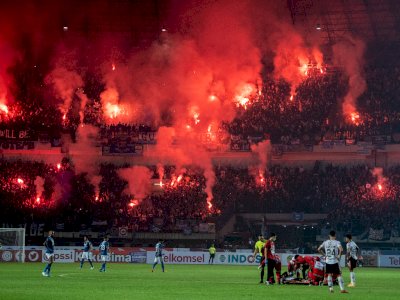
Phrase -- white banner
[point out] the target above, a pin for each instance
(180, 257)
(61, 256)
(202, 257)
(236, 258)
(389, 261)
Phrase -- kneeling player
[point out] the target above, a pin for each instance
(303, 263)
(316, 272)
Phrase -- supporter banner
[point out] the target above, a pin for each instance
(122, 149)
(16, 145)
(16, 134)
(145, 137)
(375, 234)
(389, 261)
(298, 216)
(203, 227)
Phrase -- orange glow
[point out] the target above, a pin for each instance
(243, 98)
(3, 108)
(133, 203)
(261, 178)
(209, 204)
(114, 110)
(355, 118)
(212, 98)
(179, 178)
(195, 115)
(304, 69)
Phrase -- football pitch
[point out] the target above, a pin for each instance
(136, 281)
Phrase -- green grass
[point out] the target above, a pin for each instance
(135, 281)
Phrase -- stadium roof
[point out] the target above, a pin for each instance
(371, 20)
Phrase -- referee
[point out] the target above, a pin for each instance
(258, 249)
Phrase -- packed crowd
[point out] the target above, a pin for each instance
(310, 114)
(354, 198)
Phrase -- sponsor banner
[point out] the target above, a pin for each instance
(117, 255)
(60, 256)
(202, 257)
(138, 257)
(10, 254)
(369, 261)
(180, 257)
(236, 258)
(389, 261)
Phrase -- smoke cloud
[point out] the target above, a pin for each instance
(138, 178)
(349, 55)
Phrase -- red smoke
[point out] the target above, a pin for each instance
(192, 76)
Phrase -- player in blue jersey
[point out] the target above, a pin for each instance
(104, 247)
(49, 252)
(159, 254)
(87, 252)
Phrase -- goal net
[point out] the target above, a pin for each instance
(12, 244)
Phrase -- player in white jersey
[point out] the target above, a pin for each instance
(332, 249)
(351, 258)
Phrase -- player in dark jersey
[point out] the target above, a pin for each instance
(49, 252)
(87, 254)
(104, 248)
(159, 256)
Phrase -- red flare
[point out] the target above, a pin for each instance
(4, 108)
(355, 118)
(243, 98)
(212, 98)
(179, 178)
(133, 203)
